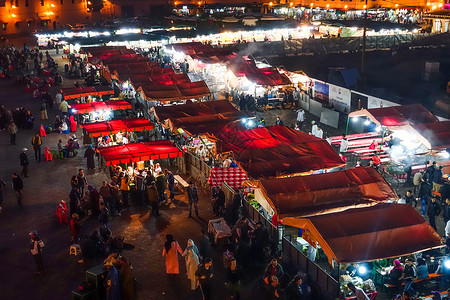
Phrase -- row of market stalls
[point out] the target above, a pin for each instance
(134, 73)
(223, 70)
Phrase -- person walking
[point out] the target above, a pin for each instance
(112, 284)
(300, 117)
(44, 114)
(191, 256)
(82, 181)
(24, 162)
(36, 142)
(103, 217)
(193, 198)
(433, 211)
(89, 155)
(417, 181)
(234, 280)
(64, 106)
(12, 129)
(75, 228)
(152, 193)
(36, 245)
(125, 189)
(18, 188)
(140, 187)
(171, 184)
(170, 252)
(205, 276)
(344, 145)
(424, 195)
(161, 183)
(204, 246)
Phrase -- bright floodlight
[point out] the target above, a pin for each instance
(367, 123)
(74, 111)
(446, 155)
(244, 121)
(362, 270)
(355, 119)
(250, 123)
(447, 263)
(378, 129)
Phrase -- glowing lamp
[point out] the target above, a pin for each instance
(355, 119)
(447, 263)
(362, 270)
(367, 123)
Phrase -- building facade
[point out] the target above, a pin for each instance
(18, 16)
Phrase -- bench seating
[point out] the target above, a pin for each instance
(430, 276)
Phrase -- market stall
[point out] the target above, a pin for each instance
(86, 94)
(99, 110)
(322, 193)
(358, 235)
(111, 133)
(277, 151)
(139, 152)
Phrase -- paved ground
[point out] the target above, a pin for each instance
(49, 182)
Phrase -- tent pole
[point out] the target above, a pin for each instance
(346, 127)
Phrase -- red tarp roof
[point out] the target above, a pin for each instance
(371, 233)
(73, 93)
(437, 133)
(116, 126)
(135, 152)
(83, 108)
(325, 193)
(193, 109)
(210, 117)
(277, 151)
(402, 115)
(164, 89)
(264, 76)
(191, 48)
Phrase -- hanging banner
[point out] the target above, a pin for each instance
(307, 236)
(321, 91)
(340, 98)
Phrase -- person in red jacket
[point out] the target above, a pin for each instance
(73, 124)
(376, 160)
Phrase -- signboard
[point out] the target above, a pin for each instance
(340, 98)
(307, 236)
(321, 91)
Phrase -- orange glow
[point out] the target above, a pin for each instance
(175, 3)
(291, 4)
(89, 2)
(396, 5)
(199, 3)
(13, 15)
(271, 3)
(364, 6)
(328, 5)
(13, 6)
(312, 4)
(346, 6)
(52, 5)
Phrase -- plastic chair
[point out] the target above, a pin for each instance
(75, 249)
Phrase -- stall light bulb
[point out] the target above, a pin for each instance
(74, 111)
(244, 121)
(355, 119)
(367, 123)
(250, 123)
(362, 270)
(378, 129)
(446, 155)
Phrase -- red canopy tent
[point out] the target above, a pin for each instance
(437, 133)
(394, 116)
(139, 152)
(303, 196)
(277, 151)
(100, 105)
(116, 126)
(74, 93)
(365, 234)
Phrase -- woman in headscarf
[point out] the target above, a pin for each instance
(191, 255)
(396, 273)
(89, 154)
(73, 124)
(171, 247)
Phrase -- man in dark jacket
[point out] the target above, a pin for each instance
(205, 275)
(193, 198)
(74, 203)
(18, 187)
(446, 211)
(171, 183)
(204, 246)
(433, 211)
(161, 186)
(24, 162)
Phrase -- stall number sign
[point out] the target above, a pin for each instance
(307, 236)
